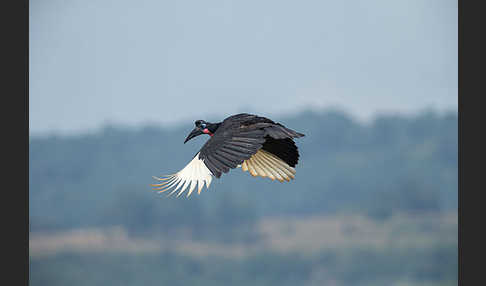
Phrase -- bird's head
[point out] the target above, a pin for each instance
(202, 127)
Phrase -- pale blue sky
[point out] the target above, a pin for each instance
(94, 62)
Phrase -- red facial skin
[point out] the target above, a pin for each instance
(206, 131)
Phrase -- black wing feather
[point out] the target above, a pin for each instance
(226, 163)
(213, 167)
(229, 157)
(240, 136)
(230, 163)
(239, 149)
(234, 154)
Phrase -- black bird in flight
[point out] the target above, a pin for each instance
(256, 144)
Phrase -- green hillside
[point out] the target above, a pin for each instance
(393, 164)
(372, 204)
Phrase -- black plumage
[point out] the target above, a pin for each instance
(256, 144)
(243, 135)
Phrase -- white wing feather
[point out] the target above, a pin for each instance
(193, 173)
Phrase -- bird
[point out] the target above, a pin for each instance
(255, 144)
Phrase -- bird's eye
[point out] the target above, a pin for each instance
(203, 125)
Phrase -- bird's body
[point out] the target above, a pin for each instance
(256, 144)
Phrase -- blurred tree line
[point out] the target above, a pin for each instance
(353, 267)
(394, 163)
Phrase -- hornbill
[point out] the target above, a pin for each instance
(256, 144)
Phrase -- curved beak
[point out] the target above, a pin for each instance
(195, 132)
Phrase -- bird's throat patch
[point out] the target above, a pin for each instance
(206, 131)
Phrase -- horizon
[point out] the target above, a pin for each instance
(213, 118)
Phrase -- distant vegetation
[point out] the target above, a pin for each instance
(364, 267)
(396, 164)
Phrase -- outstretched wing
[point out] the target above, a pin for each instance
(237, 142)
(265, 148)
(194, 173)
(230, 147)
